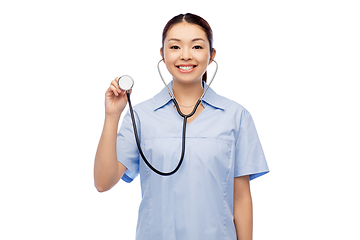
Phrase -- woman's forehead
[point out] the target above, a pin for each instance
(186, 32)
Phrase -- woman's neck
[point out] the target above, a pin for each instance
(187, 94)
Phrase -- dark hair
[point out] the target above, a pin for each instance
(193, 19)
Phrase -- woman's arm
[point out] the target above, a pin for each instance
(107, 170)
(243, 215)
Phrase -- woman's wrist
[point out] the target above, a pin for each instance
(112, 118)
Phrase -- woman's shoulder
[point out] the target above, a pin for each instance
(230, 105)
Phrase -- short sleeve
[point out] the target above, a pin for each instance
(126, 149)
(249, 155)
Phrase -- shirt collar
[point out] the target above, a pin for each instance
(211, 97)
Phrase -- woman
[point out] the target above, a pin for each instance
(209, 196)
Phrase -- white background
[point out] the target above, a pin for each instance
(293, 64)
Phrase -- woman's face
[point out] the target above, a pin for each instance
(186, 52)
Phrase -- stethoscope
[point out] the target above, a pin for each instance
(126, 83)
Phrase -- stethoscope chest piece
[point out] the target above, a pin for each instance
(125, 83)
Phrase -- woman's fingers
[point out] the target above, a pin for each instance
(115, 99)
(114, 90)
(114, 87)
(116, 84)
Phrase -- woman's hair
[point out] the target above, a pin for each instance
(193, 19)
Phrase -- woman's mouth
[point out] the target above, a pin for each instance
(186, 68)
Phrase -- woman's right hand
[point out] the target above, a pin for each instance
(115, 100)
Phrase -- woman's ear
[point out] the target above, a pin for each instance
(212, 55)
(162, 54)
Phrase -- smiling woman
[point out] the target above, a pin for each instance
(208, 197)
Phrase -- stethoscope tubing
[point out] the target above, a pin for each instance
(138, 141)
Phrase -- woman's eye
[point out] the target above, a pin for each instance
(174, 47)
(198, 47)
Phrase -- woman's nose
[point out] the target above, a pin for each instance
(186, 55)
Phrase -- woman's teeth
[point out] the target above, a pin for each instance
(185, 67)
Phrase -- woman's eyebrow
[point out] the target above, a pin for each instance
(174, 39)
(198, 39)
(194, 40)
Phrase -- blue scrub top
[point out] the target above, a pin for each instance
(197, 201)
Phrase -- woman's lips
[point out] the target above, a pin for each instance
(186, 68)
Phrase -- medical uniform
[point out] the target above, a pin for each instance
(197, 201)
